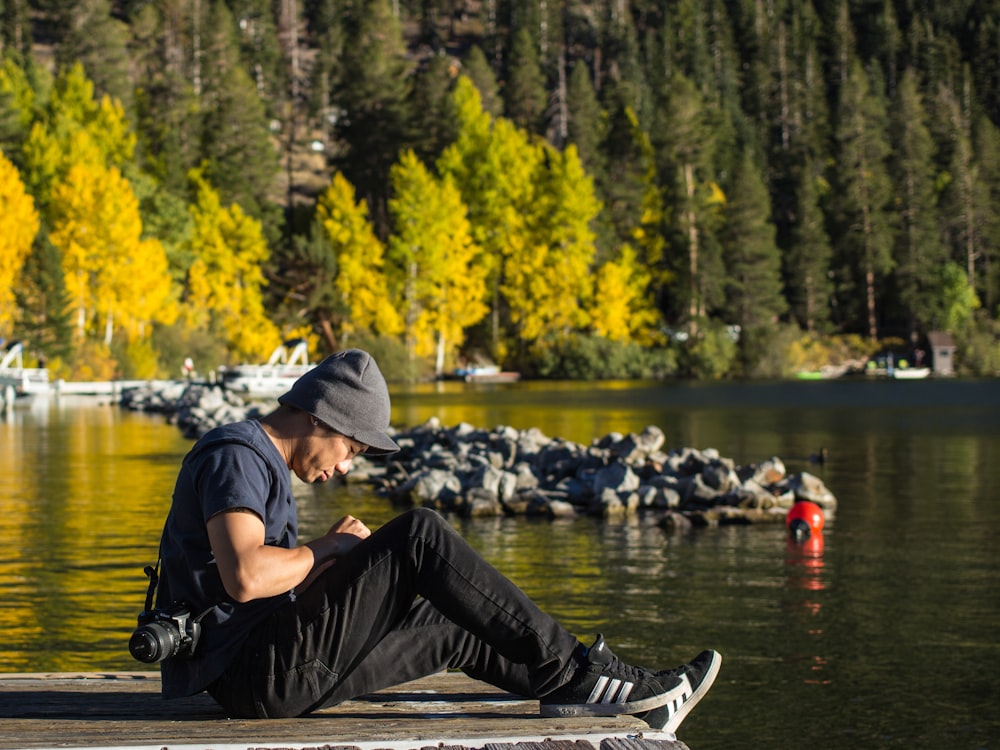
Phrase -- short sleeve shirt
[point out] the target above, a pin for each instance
(233, 467)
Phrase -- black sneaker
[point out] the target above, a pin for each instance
(692, 682)
(606, 686)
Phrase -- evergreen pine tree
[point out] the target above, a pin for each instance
(919, 253)
(753, 263)
(585, 118)
(371, 96)
(863, 192)
(684, 141)
(764, 60)
(632, 201)
(984, 61)
(807, 261)
(477, 69)
(15, 32)
(169, 136)
(966, 209)
(621, 60)
(888, 45)
(98, 41)
(239, 157)
(260, 51)
(986, 137)
(434, 124)
(524, 94)
(44, 315)
(325, 27)
(787, 124)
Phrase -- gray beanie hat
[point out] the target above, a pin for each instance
(347, 392)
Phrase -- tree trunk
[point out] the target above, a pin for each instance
(196, 48)
(439, 359)
(328, 335)
(695, 308)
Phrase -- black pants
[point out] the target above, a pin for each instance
(411, 600)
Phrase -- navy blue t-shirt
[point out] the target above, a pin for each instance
(233, 466)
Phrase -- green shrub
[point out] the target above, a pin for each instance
(977, 350)
(712, 354)
(390, 353)
(591, 357)
(175, 343)
(768, 352)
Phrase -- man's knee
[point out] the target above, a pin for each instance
(424, 518)
(427, 523)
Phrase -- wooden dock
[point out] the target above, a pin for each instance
(449, 711)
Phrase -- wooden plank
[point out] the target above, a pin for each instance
(450, 710)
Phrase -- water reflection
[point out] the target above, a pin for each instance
(84, 489)
(804, 566)
(848, 636)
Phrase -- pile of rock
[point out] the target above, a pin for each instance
(505, 471)
(475, 472)
(194, 407)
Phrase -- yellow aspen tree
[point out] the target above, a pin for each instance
(440, 285)
(225, 282)
(462, 158)
(43, 162)
(548, 285)
(75, 129)
(17, 91)
(621, 309)
(493, 164)
(18, 227)
(360, 278)
(117, 280)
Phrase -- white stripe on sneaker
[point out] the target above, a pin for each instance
(598, 691)
(609, 690)
(624, 693)
(611, 693)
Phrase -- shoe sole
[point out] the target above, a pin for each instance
(684, 709)
(551, 710)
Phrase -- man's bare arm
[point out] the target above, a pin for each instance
(252, 570)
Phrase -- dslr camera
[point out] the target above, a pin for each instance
(165, 634)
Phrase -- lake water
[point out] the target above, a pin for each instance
(886, 637)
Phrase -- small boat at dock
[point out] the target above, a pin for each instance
(483, 374)
(288, 362)
(17, 379)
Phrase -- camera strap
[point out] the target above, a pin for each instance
(154, 578)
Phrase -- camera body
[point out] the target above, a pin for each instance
(165, 634)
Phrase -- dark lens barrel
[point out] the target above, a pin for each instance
(153, 642)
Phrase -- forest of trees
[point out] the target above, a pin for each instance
(602, 188)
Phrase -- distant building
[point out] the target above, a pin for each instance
(942, 352)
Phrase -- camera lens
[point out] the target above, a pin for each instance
(153, 642)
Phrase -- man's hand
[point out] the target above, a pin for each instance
(346, 533)
(338, 541)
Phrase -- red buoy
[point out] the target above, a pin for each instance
(805, 519)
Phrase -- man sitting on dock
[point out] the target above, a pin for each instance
(280, 629)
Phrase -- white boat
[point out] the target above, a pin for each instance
(483, 374)
(287, 363)
(911, 373)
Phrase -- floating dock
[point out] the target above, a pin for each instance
(449, 711)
